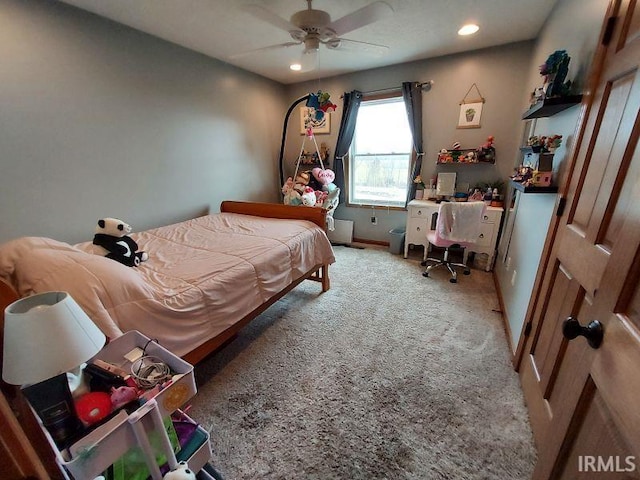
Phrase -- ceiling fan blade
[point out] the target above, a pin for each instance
(264, 49)
(355, 45)
(364, 16)
(268, 16)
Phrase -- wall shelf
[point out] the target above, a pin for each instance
(550, 106)
(533, 189)
(460, 156)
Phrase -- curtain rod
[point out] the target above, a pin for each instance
(425, 86)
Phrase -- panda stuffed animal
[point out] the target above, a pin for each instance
(112, 241)
(182, 472)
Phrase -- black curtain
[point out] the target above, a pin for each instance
(412, 96)
(350, 106)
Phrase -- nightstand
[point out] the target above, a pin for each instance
(102, 446)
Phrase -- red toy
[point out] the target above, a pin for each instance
(93, 407)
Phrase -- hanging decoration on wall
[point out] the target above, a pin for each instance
(471, 109)
(312, 115)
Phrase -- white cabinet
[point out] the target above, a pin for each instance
(421, 217)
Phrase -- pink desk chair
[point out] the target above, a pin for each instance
(458, 224)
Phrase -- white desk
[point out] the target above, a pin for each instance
(420, 214)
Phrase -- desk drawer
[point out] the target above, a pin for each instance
(417, 232)
(486, 235)
(420, 212)
(491, 216)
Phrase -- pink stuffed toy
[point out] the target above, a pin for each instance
(122, 395)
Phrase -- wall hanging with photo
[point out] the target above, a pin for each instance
(308, 119)
(471, 110)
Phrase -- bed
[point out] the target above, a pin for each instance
(206, 278)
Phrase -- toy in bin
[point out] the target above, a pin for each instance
(93, 407)
(181, 472)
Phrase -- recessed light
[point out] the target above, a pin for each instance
(468, 29)
(296, 67)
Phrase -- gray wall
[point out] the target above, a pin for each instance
(98, 119)
(500, 73)
(574, 25)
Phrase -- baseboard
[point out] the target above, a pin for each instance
(505, 321)
(371, 242)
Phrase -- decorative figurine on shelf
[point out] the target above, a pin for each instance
(488, 196)
(553, 142)
(445, 156)
(476, 196)
(555, 70)
(544, 143)
(486, 152)
(537, 96)
(522, 174)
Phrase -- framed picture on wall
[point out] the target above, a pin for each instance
(470, 114)
(307, 119)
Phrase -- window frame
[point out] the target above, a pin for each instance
(347, 164)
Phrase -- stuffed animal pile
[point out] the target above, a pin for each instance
(313, 188)
(111, 240)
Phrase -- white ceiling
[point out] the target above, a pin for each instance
(417, 29)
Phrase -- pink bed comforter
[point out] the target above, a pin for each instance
(202, 276)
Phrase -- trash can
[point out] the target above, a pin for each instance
(396, 240)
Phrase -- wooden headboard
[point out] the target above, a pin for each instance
(277, 210)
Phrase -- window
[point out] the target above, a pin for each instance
(380, 154)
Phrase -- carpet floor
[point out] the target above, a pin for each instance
(389, 375)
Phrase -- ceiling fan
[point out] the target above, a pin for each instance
(312, 28)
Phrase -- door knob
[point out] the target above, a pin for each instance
(593, 332)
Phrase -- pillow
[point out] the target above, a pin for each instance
(37, 264)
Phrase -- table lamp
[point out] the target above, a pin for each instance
(45, 336)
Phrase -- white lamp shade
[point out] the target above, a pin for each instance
(45, 335)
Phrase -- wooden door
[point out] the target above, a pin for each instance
(584, 401)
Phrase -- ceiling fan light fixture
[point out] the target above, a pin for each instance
(468, 29)
(296, 67)
(311, 44)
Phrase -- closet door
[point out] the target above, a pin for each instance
(582, 390)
